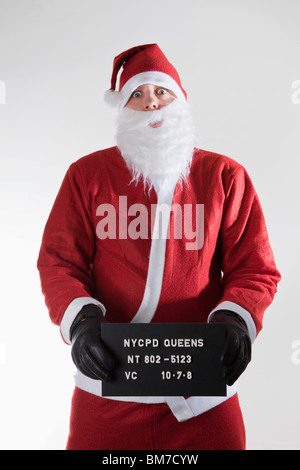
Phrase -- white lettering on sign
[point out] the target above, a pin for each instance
(131, 375)
(141, 343)
(133, 358)
(183, 343)
(168, 342)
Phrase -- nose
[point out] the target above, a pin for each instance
(151, 102)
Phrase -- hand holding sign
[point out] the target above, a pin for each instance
(90, 355)
(157, 359)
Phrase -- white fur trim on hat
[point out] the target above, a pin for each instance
(119, 99)
(113, 98)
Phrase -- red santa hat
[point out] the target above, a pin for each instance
(141, 65)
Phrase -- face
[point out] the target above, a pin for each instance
(150, 97)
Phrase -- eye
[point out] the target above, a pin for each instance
(136, 94)
(161, 91)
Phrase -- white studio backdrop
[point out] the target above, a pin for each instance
(239, 62)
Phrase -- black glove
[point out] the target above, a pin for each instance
(237, 353)
(89, 353)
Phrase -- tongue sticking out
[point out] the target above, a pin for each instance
(155, 124)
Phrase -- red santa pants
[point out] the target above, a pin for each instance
(103, 424)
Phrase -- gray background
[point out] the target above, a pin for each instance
(239, 62)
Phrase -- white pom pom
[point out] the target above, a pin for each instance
(113, 98)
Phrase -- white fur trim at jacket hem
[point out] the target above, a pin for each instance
(181, 408)
(71, 313)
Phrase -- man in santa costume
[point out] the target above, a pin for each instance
(92, 270)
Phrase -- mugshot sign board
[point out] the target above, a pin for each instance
(159, 359)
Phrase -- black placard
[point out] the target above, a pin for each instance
(159, 359)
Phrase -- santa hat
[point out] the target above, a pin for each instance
(141, 65)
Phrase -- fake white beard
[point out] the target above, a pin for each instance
(157, 156)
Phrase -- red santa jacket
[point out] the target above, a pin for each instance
(235, 262)
(136, 277)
